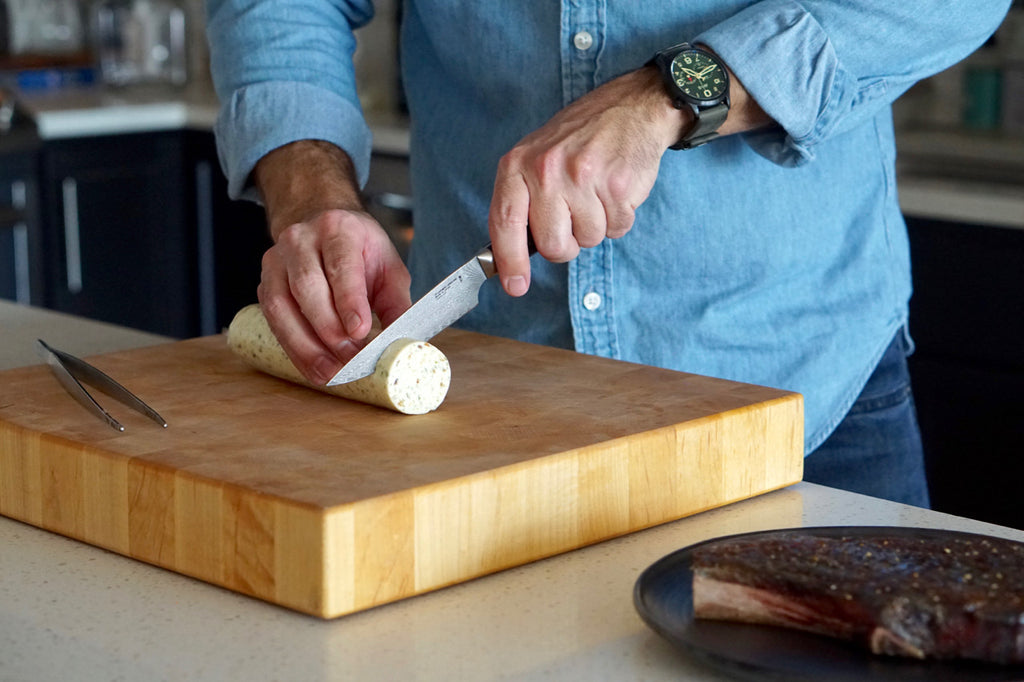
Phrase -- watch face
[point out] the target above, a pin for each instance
(699, 75)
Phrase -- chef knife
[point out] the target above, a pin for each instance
(449, 300)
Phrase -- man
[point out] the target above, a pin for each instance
(774, 254)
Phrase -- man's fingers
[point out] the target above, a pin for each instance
(301, 343)
(390, 296)
(580, 177)
(298, 251)
(320, 283)
(508, 223)
(345, 271)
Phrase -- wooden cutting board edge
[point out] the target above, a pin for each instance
(335, 561)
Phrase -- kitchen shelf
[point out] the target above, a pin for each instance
(969, 202)
(962, 154)
(972, 178)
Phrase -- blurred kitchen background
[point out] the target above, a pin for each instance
(57, 43)
(112, 205)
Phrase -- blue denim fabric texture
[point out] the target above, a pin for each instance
(778, 257)
(876, 450)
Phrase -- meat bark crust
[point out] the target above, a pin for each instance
(933, 596)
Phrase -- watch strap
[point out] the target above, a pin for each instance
(706, 124)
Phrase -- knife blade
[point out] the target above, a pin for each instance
(442, 306)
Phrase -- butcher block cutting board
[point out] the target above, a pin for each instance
(329, 506)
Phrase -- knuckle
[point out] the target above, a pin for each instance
(338, 223)
(269, 260)
(585, 168)
(335, 264)
(588, 238)
(568, 252)
(505, 216)
(621, 221)
(274, 305)
(549, 167)
(559, 250)
(620, 186)
(304, 280)
(512, 161)
(291, 237)
(618, 232)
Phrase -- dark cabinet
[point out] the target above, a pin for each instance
(113, 222)
(139, 232)
(21, 269)
(967, 319)
(231, 237)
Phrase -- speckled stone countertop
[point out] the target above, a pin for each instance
(21, 325)
(70, 611)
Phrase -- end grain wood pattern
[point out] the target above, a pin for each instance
(329, 507)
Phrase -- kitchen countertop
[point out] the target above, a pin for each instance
(70, 611)
(21, 325)
(101, 110)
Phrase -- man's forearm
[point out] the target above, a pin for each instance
(304, 178)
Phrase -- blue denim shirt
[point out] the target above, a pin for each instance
(778, 257)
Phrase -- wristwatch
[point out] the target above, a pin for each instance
(696, 79)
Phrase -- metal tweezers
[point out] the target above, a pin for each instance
(71, 371)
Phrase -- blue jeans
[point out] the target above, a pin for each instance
(876, 449)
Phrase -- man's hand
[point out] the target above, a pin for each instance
(580, 177)
(332, 265)
(320, 282)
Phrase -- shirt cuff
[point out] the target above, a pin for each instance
(787, 63)
(249, 126)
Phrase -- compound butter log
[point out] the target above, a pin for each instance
(411, 377)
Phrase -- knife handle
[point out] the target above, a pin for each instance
(485, 256)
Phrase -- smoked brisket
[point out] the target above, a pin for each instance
(934, 596)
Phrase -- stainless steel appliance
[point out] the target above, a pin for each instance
(44, 27)
(140, 41)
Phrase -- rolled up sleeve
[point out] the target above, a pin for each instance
(820, 67)
(284, 72)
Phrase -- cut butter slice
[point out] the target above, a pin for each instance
(411, 377)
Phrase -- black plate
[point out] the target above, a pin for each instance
(664, 600)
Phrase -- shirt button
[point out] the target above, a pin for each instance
(592, 301)
(583, 40)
